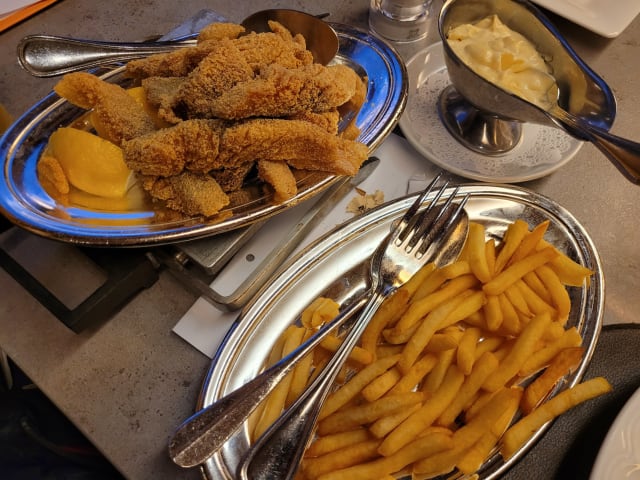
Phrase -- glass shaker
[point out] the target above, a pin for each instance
(400, 20)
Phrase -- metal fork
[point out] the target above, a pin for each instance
(414, 241)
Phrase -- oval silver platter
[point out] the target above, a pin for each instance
(27, 204)
(335, 266)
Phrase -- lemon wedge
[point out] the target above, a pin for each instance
(91, 164)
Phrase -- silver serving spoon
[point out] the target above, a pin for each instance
(585, 105)
(49, 55)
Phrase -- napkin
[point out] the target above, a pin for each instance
(401, 171)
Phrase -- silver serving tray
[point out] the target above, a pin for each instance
(335, 266)
(25, 202)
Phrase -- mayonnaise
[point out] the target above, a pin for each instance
(505, 58)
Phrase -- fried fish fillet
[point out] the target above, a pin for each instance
(121, 117)
(191, 145)
(301, 144)
(278, 92)
(257, 49)
(188, 192)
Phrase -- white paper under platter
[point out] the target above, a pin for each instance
(619, 456)
(608, 19)
(26, 203)
(335, 266)
(541, 151)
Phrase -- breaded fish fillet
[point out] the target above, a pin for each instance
(258, 49)
(301, 144)
(121, 117)
(191, 145)
(280, 92)
(189, 193)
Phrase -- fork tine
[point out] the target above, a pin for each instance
(441, 227)
(430, 222)
(401, 230)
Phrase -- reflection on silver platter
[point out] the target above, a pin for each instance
(27, 204)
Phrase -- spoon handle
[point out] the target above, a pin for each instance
(625, 154)
(204, 433)
(277, 453)
(49, 55)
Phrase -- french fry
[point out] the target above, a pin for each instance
(440, 342)
(358, 354)
(435, 377)
(518, 434)
(493, 312)
(557, 291)
(541, 358)
(529, 242)
(330, 443)
(490, 254)
(417, 449)
(513, 237)
(518, 301)
(381, 385)
(534, 282)
(389, 312)
(485, 365)
(381, 427)
(563, 363)
(415, 374)
(510, 319)
(570, 272)
(425, 331)
(428, 413)
(368, 412)
(517, 270)
(354, 386)
(275, 402)
(471, 304)
(343, 458)
(434, 281)
(535, 303)
(488, 344)
(522, 348)
(466, 352)
(301, 373)
(467, 435)
(475, 456)
(320, 311)
(476, 252)
(419, 309)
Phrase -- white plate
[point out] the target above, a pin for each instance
(541, 151)
(619, 456)
(608, 19)
(336, 266)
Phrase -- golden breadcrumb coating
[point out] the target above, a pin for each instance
(280, 91)
(50, 172)
(328, 120)
(301, 144)
(191, 145)
(188, 192)
(120, 115)
(220, 31)
(177, 63)
(280, 177)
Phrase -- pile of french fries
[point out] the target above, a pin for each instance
(456, 364)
